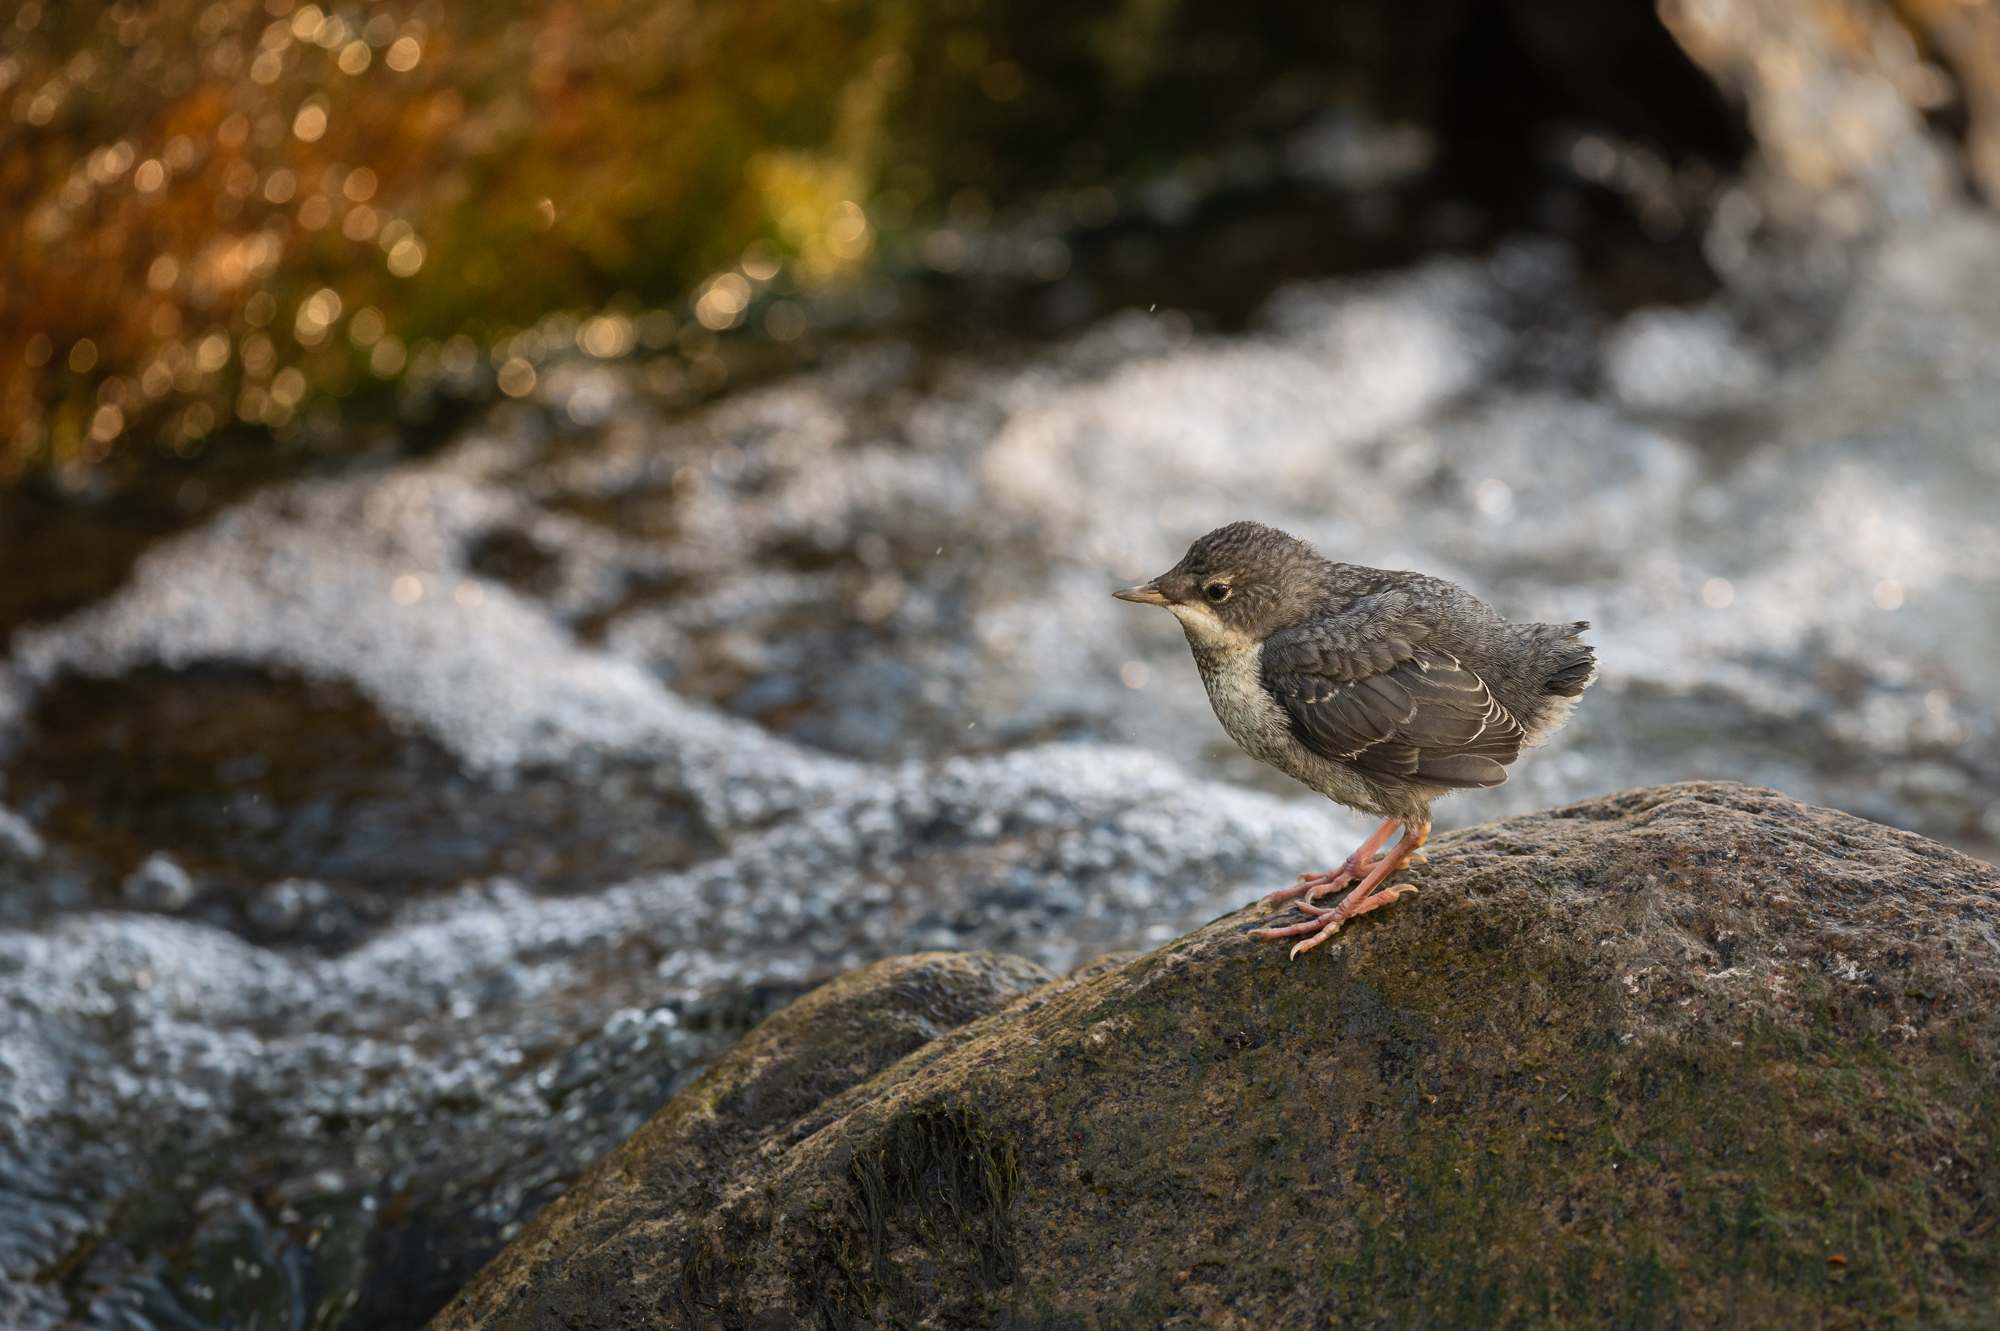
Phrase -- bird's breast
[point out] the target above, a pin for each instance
(1233, 675)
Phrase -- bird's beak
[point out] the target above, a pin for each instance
(1145, 594)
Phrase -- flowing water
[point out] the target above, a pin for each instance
(392, 842)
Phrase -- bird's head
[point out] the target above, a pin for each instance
(1243, 581)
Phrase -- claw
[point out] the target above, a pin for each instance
(1313, 942)
(1323, 922)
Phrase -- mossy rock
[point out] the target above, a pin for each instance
(1694, 1055)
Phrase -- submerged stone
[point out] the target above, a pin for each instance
(1698, 1053)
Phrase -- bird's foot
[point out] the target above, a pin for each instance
(1323, 922)
(1355, 866)
(1311, 885)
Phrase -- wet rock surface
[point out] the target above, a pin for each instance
(1697, 1054)
(292, 811)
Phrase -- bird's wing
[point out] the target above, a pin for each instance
(1370, 695)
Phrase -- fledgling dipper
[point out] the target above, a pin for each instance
(1380, 690)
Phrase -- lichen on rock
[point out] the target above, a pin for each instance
(1693, 1054)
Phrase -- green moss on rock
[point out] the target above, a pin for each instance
(1699, 1055)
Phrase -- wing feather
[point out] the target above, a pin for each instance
(1384, 703)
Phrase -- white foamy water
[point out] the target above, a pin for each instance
(860, 620)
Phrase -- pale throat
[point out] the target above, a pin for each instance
(1230, 660)
(1206, 631)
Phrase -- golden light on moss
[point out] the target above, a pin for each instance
(229, 157)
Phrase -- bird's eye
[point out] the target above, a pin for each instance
(1217, 592)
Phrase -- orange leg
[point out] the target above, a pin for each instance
(1324, 921)
(1311, 885)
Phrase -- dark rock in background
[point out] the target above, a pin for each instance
(1699, 1054)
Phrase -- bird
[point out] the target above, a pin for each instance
(1382, 690)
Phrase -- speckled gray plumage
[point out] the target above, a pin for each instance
(1381, 690)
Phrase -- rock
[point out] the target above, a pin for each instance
(1799, 71)
(21, 852)
(295, 905)
(20, 844)
(159, 884)
(1696, 1053)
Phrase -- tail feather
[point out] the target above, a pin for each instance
(1575, 666)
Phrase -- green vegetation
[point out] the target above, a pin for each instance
(234, 209)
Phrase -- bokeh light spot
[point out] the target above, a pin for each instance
(606, 336)
(387, 358)
(406, 256)
(107, 424)
(365, 329)
(723, 302)
(516, 378)
(213, 352)
(310, 123)
(760, 261)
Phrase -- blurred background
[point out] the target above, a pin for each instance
(532, 533)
